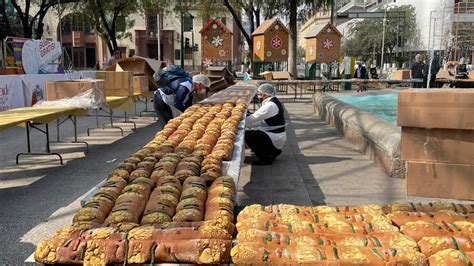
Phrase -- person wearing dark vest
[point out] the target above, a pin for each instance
(266, 135)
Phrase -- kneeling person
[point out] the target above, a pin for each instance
(266, 135)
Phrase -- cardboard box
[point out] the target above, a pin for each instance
(57, 90)
(281, 75)
(437, 145)
(470, 74)
(267, 75)
(402, 74)
(140, 84)
(116, 83)
(436, 108)
(437, 180)
(444, 74)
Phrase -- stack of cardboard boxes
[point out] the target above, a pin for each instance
(220, 78)
(437, 142)
(57, 90)
(141, 70)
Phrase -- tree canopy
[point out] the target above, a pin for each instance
(19, 19)
(365, 36)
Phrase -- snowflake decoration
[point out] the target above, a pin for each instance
(259, 44)
(276, 42)
(328, 44)
(311, 50)
(217, 41)
(207, 62)
(221, 53)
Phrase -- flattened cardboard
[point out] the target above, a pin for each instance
(281, 75)
(267, 75)
(57, 90)
(437, 180)
(444, 74)
(402, 74)
(116, 83)
(436, 108)
(140, 84)
(437, 145)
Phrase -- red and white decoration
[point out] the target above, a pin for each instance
(207, 62)
(217, 41)
(328, 44)
(221, 53)
(276, 42)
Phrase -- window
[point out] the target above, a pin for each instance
(151, 23)
(177, 54)
(66, 26)
(77, 24)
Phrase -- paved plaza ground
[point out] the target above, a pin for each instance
(317, 167)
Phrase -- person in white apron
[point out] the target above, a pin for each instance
(266, 135)
(174, 99)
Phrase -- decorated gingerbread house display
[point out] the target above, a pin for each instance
(323, 44)
(270, 41)
(216, 43)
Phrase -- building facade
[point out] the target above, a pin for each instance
(83, 48)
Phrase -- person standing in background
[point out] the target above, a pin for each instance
(115, 57)
(417, 71)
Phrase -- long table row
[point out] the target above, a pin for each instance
(33, 117)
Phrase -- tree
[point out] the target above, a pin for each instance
(307, 8)
(365, 36)
(273, 8)
(31, 23)
(111, 19)
(253, 11)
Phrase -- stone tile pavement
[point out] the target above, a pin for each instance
(317, 166)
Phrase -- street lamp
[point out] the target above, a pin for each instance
(383, 39)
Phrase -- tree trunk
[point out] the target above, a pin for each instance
(7, 30)
(292, 53)
(110, 47)
(238, 21)
(257, 17)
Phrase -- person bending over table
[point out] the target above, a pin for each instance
(266, 135)
(177, 95)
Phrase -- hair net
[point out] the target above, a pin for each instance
(267, 89)
(202, 79)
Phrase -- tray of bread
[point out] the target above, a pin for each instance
(168, 202)
(242, 92)
(396, 234)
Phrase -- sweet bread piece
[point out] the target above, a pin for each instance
(189, 214)
(452, 257)
(432, 245)
(418, 230)
(400, 218)
(106, 250)
(47, 250)
(428, 207)
(169, 181)
(201, 251)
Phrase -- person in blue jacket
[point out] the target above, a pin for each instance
(174, 98)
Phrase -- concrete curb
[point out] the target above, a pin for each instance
(369, 134)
